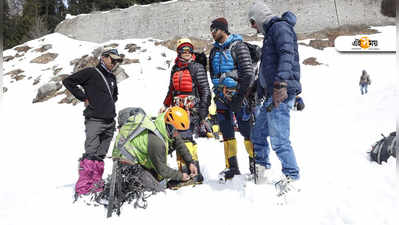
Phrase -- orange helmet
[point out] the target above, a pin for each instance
(177, 117)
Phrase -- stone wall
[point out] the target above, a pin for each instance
(192, 18)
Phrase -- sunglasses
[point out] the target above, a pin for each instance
(214, 30)
(115, 61)
(252, 22)
(185, 49)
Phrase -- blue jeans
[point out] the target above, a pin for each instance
(275, 124)
(363, 88)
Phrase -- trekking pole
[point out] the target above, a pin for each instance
(253, 148)
(110, 206)
(254, 162)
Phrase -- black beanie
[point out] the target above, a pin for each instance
(221, 24)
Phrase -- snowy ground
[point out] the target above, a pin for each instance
(42, 142)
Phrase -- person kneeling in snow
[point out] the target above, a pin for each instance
(146, 142)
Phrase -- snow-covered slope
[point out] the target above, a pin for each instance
(42, 142)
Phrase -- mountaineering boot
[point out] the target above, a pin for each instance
(181, 165)
(230, 154)
(285, 185)
(250, 149)
(175, 185)
(262, 174)
(199, 178)
(230, 172)
(193, 149)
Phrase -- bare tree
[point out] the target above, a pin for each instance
(39, 28)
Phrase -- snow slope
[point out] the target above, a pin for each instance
(42, 142)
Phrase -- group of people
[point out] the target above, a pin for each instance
(275, 88)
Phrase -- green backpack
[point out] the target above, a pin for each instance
(133, 123)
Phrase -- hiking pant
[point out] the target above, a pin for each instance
(99, 134)
(363, 88)
(225, 119)
(276, 125)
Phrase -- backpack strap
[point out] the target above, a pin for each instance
(194, 79)
(232, 53)
(106, 83)
(133, 134)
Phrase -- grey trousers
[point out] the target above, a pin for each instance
(99, 135)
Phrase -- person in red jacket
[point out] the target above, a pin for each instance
(189, 89)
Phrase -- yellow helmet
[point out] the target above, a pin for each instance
(177, 117)
(183, 41)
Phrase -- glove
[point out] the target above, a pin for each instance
(279, 93)
(299, 105)
(236, 102)
(200, 130)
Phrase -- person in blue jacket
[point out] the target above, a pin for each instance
(279, 78)
(231, 72)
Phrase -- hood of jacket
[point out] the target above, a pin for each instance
(229, 40)
(288, 17)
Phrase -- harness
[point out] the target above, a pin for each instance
(226, 83)
(186, 98)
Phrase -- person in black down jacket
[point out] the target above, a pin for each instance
(99, 96)
(189, 89)
(231, 71)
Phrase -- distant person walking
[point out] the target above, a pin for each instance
(364, 82)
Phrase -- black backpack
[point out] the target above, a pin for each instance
(201, 58)
(255, 52)
(384, 148)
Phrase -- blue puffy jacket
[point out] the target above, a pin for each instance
(222, 62)
(280, 59)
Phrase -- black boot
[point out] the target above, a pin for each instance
(199, 178)
(184, 169)
(229, 173)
